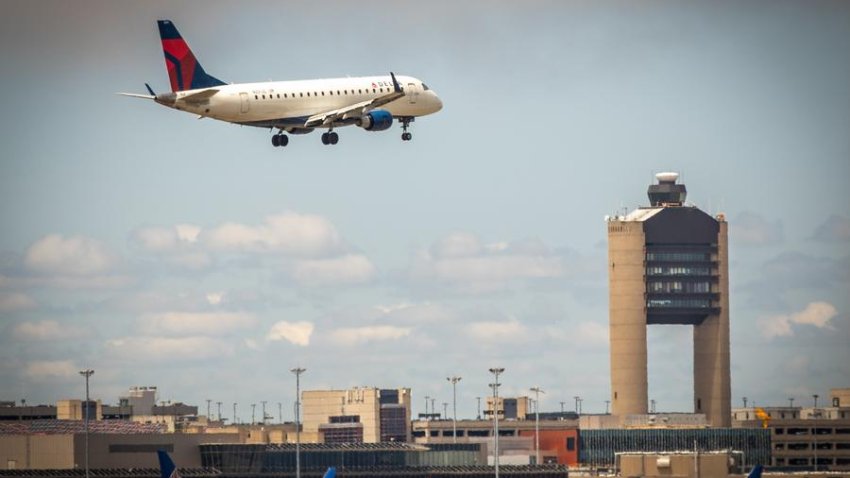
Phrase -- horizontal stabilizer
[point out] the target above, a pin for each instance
(136, 95)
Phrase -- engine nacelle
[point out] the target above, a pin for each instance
(377, 120)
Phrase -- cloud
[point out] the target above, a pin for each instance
(296, 333)
(374, 333)
(176, 243)
(301, 235)
(835, 229)
(816, 314)
(46, 330)
(196, 323)
(753, 229)
(347, 269)
(491, 332)
(49, 370)
(168, 349)
(74, 256)
(16, 301)
(425, 313)
(463, 262)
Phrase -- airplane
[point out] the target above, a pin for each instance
(755, 472)
(293, 107)
(167, 469)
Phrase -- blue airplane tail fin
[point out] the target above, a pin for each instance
(755, 472)
(331, 473)
(166, 466)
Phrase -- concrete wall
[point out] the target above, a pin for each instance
(319, 405)
(712, 382)
(627, 318)
(28, 452)
(674, 465)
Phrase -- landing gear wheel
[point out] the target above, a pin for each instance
(325, 139)
(333, 138)
(280, 140)
(405, 123)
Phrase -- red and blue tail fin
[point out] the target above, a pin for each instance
(184, 71)
(166, 466)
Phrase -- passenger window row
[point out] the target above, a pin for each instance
(322, 93)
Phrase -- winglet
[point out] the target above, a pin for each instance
(150, 90)
(331, 473)
(396, 86)
(166, 466)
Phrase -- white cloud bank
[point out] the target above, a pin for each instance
(461, 260)
(76, 255)
(49, 370)
(196, 323)
(816, 314)
(373, 333)
(296, 333)
(45, 330)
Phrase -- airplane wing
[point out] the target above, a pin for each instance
(356, 110)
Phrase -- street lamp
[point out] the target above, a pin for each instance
(479, 407)
(87, 373)
(537, 391)
(607, 402)
(298, 371)
(496, 371)
(454, 380)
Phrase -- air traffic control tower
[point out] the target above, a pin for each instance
(668, 264)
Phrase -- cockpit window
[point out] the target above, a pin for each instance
(425, 87)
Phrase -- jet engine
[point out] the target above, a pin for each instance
(377, 120)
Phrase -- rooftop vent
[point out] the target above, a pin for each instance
(667, 192)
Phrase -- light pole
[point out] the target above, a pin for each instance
(479, 407)
(280, 412)
(537, 391)
(87, 373)
(208, 409)
(454, 380)
(791, 402)
(427, 399)
(816, 415)
(253, 408)
(219, 411)
(298, 371)
(562, 407)
(744, 399)
(264, 411)
(496, 371)
(607, 402)
(445, 409)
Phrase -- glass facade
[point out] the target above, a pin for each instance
(680, 283)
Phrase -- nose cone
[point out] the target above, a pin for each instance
(436, 103)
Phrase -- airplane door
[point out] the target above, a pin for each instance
(243, 100)
(413, 93)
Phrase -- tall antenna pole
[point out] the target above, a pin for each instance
(496, 371)
(537, 391)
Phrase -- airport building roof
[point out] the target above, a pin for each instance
(66, 427)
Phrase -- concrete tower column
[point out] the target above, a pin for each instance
(627, 318)
(712, 383)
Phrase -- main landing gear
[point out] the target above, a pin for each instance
(330, 138)
(280, 139)
(405, 123)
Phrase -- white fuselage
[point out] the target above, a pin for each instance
(287, 104)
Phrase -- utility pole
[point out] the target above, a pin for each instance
(253, 408)
(479, 407)
(427, 399)
(208, 409)
(219, 411)
(264, 411)
(234, 413)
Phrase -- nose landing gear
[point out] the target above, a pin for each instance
(405, 123)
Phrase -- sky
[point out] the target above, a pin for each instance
(191, 255)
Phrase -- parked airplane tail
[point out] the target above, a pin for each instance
(166, 466)
(184, 71)
(331, 473)
(755, 472)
